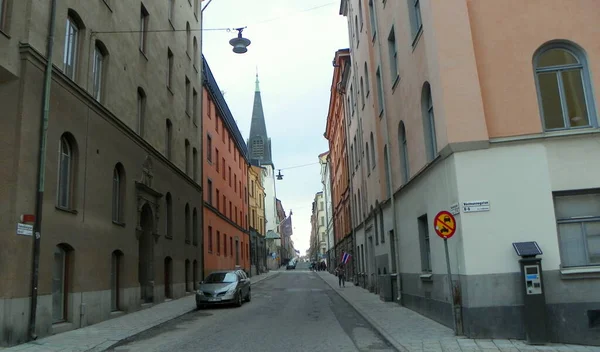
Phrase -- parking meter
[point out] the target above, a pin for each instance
(532, 287)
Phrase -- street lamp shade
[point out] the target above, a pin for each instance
(240, 44)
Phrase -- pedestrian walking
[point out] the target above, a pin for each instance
(341, 276)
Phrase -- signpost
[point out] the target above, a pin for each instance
(444, 224)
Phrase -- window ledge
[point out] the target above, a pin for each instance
(4, 33)
(67, 210)
(396, 81)
(581, 272)
(171, 23)
(170, 90)
(188, 114)
(107, 5)
(118, 223)
(426, 277)
(417, 38)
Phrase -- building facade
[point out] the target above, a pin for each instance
(227, 235)
(325, 161)
(341, 151)
(122, 189)
(471, 110)
(256, 219)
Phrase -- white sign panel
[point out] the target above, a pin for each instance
(455, 209)
(475, 206)
(24, 229)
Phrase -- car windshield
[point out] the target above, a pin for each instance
(218, 278)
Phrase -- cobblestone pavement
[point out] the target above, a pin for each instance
(410, 331)
(99, 337)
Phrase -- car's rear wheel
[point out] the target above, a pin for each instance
(248, 297)
(239, 300)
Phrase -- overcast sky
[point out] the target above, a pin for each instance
(293, 45)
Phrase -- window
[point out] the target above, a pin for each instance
(71, 52)
(141, 111)
(386, 163)
(195, 227)
(171, 9)
(187, 223)
(194, 106)
(196, 8)
(144, 17)
(115, 280)
(225, 244)
(60, 283)
(352, 103)
(209, 149)
(231, 246)
(230, 210)
(218, 242)
(4, 9)
(100, 53)
(414, 12)
(360, 14)
(368, 158)
(118, 193)
(578, 222)
(187, 96)
(223, 165)
(66, 171)
(217, 157)
(218, 199)
(235, 211)
(230, 176)
(393, 53)
(402, 142)
(169, 221)
(168, 139)
(195, 164)
(188, 35)
(564, 87)
(195, 54)
(362, 92)
(170, 61)
(428, 122)
(424, 244)
(210, 239)
(379, 91)
(187, 157)
(209, 195)
(367, 84)
(322, 221)
(356, 31)
(372, 18)
(235, 183)
(373, 158)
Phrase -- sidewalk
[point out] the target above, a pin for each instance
(99, 337)
(409, 331)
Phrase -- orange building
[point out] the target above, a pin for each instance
(225, 169)
(336, 135)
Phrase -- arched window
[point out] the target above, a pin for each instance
(368, 158)
(195, 54)
(362, 92)
(428, 122)
(187, 223)
(66, 171)
(195, 227)
(73, 37)
(141, 110)
(188, 37)
(564, 87)
(99, 70)
(118, 193)
(402, 142)
(373, 159)
(169, 222)
(367, 80)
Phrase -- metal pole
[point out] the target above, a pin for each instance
(37, 226)
(450, 286)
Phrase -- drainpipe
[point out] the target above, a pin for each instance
(37, 226)
(390, 188)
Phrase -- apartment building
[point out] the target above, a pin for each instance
(227, 235)
(256, 218)
(325, 161)
(475, 105)
(121, 184)
(341, 154)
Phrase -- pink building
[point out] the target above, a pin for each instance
(487, 109)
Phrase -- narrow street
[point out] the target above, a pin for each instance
(293, 311)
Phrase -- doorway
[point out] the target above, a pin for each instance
(168, 277)
(146, 256)
(60, 283)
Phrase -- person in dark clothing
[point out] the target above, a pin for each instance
(341, 275)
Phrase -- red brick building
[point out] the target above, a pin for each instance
(225, 170)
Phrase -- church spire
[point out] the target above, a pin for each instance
(259, 143)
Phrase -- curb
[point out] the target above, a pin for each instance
(391, 340)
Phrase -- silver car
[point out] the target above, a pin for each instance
(224, 287)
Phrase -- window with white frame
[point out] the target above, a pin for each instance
(71, 50)
(564, 87)
(65, 172)
(428, 122)
(424, 244)
(98, 70)
(578, 223)
(393, 55)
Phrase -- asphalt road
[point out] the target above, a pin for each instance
(292, 311)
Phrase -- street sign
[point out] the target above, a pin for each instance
(444, 224)
(24, 229)
(476, 206)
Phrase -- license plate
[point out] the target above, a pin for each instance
(214, 299)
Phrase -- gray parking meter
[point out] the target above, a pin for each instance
(534, 299)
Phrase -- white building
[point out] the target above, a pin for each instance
(328, 206)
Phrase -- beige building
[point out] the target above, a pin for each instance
(489, 113)
(121, 224)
